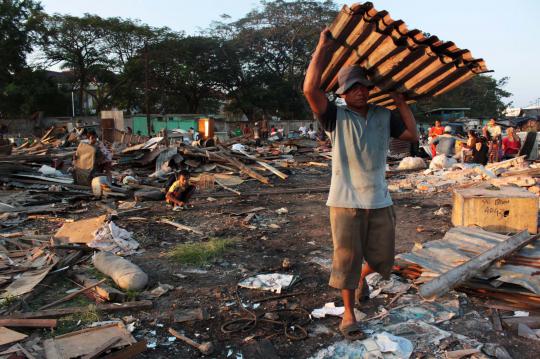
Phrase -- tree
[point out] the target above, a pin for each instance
(76, 43)
(20, 21)
(483, 94)
(269, 50)
(31, 91)
(98, 51)
(185, 73)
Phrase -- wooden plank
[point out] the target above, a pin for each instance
(510, 209)
(56, 313)
(181, 226)
(512, 322)
(103, 290)
(8, 336)
(101, 348)
(497, 325)
(28, 323)
(129, 351)
(86, 341)
(463, 272)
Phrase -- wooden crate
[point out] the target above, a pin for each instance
(508, 209)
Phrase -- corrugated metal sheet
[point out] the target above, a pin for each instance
(461, 244)
(396, 58)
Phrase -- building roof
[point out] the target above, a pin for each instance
(396, 58)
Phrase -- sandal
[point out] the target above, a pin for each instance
(352, 332)
(362, 295)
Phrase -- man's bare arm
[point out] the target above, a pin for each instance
(312, 83)
(411, 133)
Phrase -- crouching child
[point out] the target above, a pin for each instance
(180, 191)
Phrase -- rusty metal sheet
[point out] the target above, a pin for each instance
(463, 243)
(396, 58)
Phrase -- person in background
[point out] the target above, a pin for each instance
(510, 144)
(480, 151)
(421, 130)
(281, 131)
(237, 132)
(312, 134)
(435, 131)
(180, 191)
(257, 134)
(493, 133)
(103, 155)
(129, 130)
(467, 148)
(303, 130)
(446, 143)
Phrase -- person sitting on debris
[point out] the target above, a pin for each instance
(480, 151)
(435, 131)
(466, 149)
(362, 217)
(510, 144)
(103, 155)
(180, 191)
(446, 143)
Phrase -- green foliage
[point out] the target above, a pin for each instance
(202, 252)
(73, 322)
(254, 65)
(20, 21)
(31, 91)
(484, 95)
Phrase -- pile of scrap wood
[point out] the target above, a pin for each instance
(29, 264)
(511, 281)
(516, 172)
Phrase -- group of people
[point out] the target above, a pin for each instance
(490, 146)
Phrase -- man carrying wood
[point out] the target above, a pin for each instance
(361, 213)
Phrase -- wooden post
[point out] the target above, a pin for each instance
(461, 273)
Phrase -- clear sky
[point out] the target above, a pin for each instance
(505, 35)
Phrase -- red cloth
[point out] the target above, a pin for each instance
(510, 147)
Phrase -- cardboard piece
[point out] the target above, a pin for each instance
(80, 231)
(84, 342)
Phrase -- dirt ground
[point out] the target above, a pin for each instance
(301, 235)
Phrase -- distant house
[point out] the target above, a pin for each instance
(446, 113)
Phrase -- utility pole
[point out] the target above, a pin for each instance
(148, 122)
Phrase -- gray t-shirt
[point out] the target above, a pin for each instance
(446, 144)
(359, 149)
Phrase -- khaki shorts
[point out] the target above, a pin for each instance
(360, 234)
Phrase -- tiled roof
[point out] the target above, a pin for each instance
(396, 58)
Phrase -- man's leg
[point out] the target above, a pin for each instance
(347, 230)
(348, 302)
(380, 241)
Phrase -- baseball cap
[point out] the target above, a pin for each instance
(447, 129)
(349, 76)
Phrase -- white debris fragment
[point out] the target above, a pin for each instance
(441, 212)
(412, 163)
(114, 239)
(282, 210)
(332, 310)
(273, 282)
